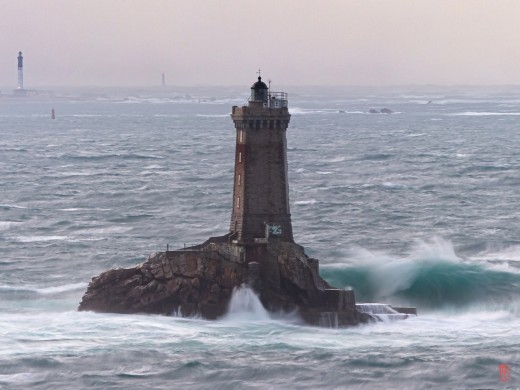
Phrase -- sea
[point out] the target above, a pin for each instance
(415, 207)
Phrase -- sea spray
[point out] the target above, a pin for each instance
(246, 306)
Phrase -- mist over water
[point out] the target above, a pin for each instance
(419, 207)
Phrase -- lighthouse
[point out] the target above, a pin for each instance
(260, 211)
(258, 252)
(20, 91)
(20, 71)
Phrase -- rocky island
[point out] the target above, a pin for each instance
(258, 251)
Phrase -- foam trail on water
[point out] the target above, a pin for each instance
(246, 306)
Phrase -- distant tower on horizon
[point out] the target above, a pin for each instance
(20, 71)
(261, 189)
(163, 80)
(20, 91)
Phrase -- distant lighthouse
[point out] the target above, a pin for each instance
(261, 188)
(163, 80)
(20, 91)
(20, 71)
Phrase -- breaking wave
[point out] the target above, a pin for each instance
(431, 278)
(246, 306)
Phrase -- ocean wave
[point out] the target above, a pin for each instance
(41, 238)
(431, 277)
(44, 290)
(125, 156)
(91, 116)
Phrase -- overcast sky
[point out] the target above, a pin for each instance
(295, 42)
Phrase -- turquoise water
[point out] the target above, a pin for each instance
(419, 207)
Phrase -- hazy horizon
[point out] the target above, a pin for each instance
(118, 43)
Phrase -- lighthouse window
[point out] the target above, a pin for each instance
(238, 202)
(239, 180)
(241, 136)
(239, 156)
(270, 124)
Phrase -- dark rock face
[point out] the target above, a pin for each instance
(200, 281)
(382, 111)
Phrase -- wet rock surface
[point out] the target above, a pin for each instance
(199, 281)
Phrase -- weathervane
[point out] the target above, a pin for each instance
(258, 71)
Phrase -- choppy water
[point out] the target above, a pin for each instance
(419, 207)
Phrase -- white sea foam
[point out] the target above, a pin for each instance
(42, 238)
(23, 379)
(108, 230)
(388, 184)
(483, 113)
(11, 206)
(46, 290)
(310, 111)
(508, 253)
(92, 116)
(6, 225)
(310, 201)
(61, 289)
(337, 159)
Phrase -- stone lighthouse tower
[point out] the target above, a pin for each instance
(261, 191)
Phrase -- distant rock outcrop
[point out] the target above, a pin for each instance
(381, 111)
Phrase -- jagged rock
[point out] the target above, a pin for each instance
(200, 280)
(381, 111)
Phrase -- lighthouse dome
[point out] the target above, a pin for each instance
(259, 91)
(259, 84)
